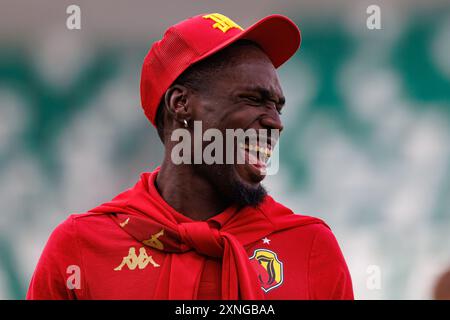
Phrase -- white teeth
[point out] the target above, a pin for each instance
(264, 153)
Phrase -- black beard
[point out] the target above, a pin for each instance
(236, 192)
(243, 196)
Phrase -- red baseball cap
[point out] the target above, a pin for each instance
(199, 37)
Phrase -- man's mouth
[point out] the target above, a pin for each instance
(252, 153)
(256, 154)
(255, 157)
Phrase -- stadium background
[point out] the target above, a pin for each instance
(365, 147)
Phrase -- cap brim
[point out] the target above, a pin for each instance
(277, 35)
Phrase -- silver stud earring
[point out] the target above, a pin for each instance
(185, 123)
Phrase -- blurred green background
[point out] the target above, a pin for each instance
(365, 146)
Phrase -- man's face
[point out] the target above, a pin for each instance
(245, 95)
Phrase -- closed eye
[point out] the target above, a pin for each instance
(253, 99)
(259, 101)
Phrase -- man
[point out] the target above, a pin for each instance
(441, 290)
(195, 230)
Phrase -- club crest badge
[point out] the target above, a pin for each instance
(268, 268)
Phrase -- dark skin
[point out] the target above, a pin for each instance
(245, 95)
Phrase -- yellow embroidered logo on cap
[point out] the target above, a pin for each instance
(223, 23)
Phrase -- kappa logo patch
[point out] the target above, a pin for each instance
(133, 261)
(268, 268)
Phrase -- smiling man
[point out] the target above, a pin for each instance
(201, 230)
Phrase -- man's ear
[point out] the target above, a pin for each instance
(177, 102)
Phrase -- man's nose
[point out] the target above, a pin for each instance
(270, 122)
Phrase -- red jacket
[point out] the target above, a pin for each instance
(113, 252)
